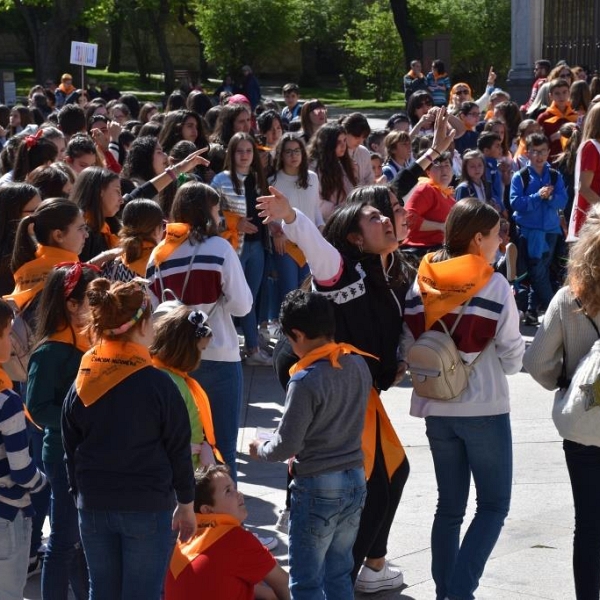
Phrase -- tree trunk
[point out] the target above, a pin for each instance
(158, 20)
(114, 54)
(410, 42)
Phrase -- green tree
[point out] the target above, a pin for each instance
(376, 48)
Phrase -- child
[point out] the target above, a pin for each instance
(222, 560)
(536, 196)
(291, 93)
(473, 184)
(470, 114)
(19, 475)
(525, 129)
(81, 153)
(377, 168)
(180, 336)
(490, 144)
(357, 131)
(399, 152)
(559, 113)
(321, 428)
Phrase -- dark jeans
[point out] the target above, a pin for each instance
(40, 500)
(583, 463)
(65, 561)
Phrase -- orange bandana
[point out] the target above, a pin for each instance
(445, 191)
(557, 115)
(447, 284)
(5, 381)
(74, 338)
(211, 528)
(31, 277)
(106, 365)
(521, 149)
(112, 239)
(393, 452)
(231, 233)
(139, 266)
(294, 251)
(201, 401)
(176, 234)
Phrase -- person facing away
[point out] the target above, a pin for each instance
(321, 428)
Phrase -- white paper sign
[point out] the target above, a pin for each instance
(84, 54)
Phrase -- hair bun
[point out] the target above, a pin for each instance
(98, 291)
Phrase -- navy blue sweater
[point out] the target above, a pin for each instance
(130, 450)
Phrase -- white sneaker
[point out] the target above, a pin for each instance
(283, 521)
(370, 581)
(258, 359)
(270, 542)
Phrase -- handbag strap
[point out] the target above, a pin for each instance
(185, 281)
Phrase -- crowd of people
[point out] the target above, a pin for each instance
(148, 252)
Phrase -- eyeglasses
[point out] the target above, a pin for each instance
(462, 92)
(537, 152)
(293, 152)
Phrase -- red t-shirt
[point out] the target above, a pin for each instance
(426, 203)
(590, 161)
(229, 569)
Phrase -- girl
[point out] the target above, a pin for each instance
(240, 184)
(142, 230)
(34, 151)
(580, 99)
(204, 272)
(329, 158)
(232, 119)
(97, 192)
(509, 113)
(180, 336)
(126, 435)
(473, 183)
(53, 181)
(271, 127)
(145, 160)
(478, 419)
(182, 125)
(422, 117)
(470, 114)
(301, 187)
(61, 317)
(313, 116)
(17, 200)
(525, 129)
(20, 117)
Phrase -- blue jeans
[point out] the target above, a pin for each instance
(461, 446)
(223, 382)
(253, 264)
(65, 560)
(583, 463)
(15, 537)
(290, 275)
(127, 552)
(541, 291)
(324, 518)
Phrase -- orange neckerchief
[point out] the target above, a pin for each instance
(7, 384)
(446, 191)
(112, 239)
(231, 233)
(413, 75)
(106, 365)
(440, 76)
(294, 251)
(175, 235)
(68, 335)
(211, 528)
(201, 401)
(393, 452)
(67, 89)
(489, 115)
(139, 266)
(557, 115)
(521, 149)
(447, 284)
(31, 277)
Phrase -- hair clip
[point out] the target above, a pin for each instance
(32, 140)
(129, 324)
(199, 319)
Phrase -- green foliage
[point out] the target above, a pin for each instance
(374, 45)
(238, 32)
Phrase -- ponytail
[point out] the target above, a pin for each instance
(25, 247)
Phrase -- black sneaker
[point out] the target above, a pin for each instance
(531, 318)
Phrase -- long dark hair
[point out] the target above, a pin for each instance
(193, 205)
(415, 102)
(13, 197)
(87, 194)
(139, 160)
(140, 220)
(224, 126)
(287, 138)
(307, 108)
(33, 152)
(170, 133)
(256, 168)
(329, 167)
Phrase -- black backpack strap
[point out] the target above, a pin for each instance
(553, 177)
(525, 177)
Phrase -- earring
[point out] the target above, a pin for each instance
(360, 247)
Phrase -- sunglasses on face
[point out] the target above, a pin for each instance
(462, 92)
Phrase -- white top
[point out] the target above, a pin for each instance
(362, 161)
(306, 200)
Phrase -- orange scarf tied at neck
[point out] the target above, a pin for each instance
(569, 114)
(231, 232)
(200, 400)
(139, 266)
(7, 384)
(211, 528)
(31, 277)
(70, 336)
(393, 452)
(447, 284)
(176, 234)
(445, 191)
(112, 239)
(107, 364)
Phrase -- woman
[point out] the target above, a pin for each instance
(329, 158)
(121, 411)
(301, 187)
(470, 434)
(313, 116)
(422, 116)
(61, 317)
(204, 272)
(182, 125)
(438, 83)
(240, 184)
(428, 207)
(564, 337)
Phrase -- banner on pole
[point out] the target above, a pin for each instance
(84, 54)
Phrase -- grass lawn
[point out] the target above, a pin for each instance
(332, 95)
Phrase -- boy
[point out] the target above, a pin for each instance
(223, 560)
(490, 144)
(559, 113)
(377, 168)
(291, 94)
(321, 429)
(18, 476)
(537, 193)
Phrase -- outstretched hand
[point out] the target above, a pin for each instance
(443, 133)
(275, 207)
(192, 161)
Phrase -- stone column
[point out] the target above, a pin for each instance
(527, 34)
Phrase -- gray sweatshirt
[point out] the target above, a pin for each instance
(323, 418)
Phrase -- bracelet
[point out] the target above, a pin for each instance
(170, 171)
(437, 151)
(428, 155)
